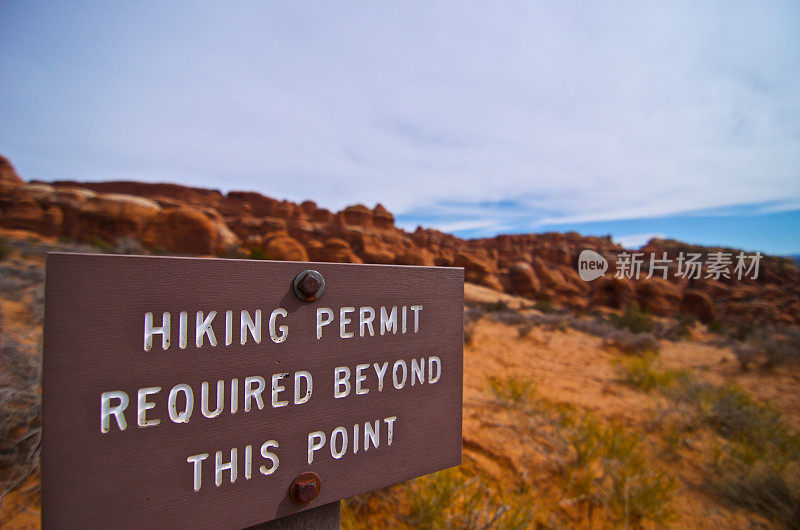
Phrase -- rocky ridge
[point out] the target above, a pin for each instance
(542, 267)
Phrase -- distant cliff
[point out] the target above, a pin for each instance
(199, 221)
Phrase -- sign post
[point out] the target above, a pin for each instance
(206, 393)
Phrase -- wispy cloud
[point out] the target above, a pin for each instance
(524, 116)
(635, 241)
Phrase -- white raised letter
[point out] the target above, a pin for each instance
(246, 324)
(284, 329)
(338, 431)
(149, 331)
(390, 428)
(277, 388)
(204, 399)
(228, 327)
(372, 434)
(266, 453)
(315, 446)
(418, 371)
(106, 410)
(361, 377)
(341, 378)
(142, 406)
(388, 320)
(438, 362)
(174, 415)
(204, 328)
(302, 374)
(197, 461)
(343, 321)
(416, 309)
(250, 393)
(182, 330)
(366, 321)
(380, 371)
(219, 467)
(323, 311)
(399, 384)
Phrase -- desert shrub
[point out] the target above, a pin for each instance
(545, 305)
(20, 430)
(632, 343)
(499, 305)
(715, 327)
(258, 253)
(524, 329)
(515, 392)
(16, 276)
(634, 319)
(448, 499)
(764, 487)
(509, 318)
(102, 244)
(741, 331)
(36, 304)
(609, 467)
(643, 373)
(598, 327)
(128, 245)
(769, 347)
(471, 316)
(677, 330)
(5, 248)
(552, 322)
(758, 464)
(233, 252)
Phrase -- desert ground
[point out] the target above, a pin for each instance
(572, 419)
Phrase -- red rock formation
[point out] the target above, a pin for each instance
(201, 221)
(8, 175)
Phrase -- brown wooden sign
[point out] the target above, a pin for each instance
(183, 392)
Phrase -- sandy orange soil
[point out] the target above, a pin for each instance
(566, 366)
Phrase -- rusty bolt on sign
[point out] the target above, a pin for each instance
(309, 285)
(305, 488)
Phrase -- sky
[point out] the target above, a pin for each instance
(635, 119)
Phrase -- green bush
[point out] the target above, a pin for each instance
(514, 392)
(101, 244)
(610, 468)
(634, 320)
(5, 248)
(258, 253)
(643, 373)
(500, 305)
(448, 499)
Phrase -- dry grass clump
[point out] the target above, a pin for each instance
(5, 249)
(757, 459)
(633, 319)
(20, 405)
(507, 317)
(610, 469)
(471, 317)
(762, 487)
(513, 392)
(632, 343)
(643, 373)
(604, 466)
(449, 499)
(769, 347)
(16, 276)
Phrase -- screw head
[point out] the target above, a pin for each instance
(305, 488)
(309, 285)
